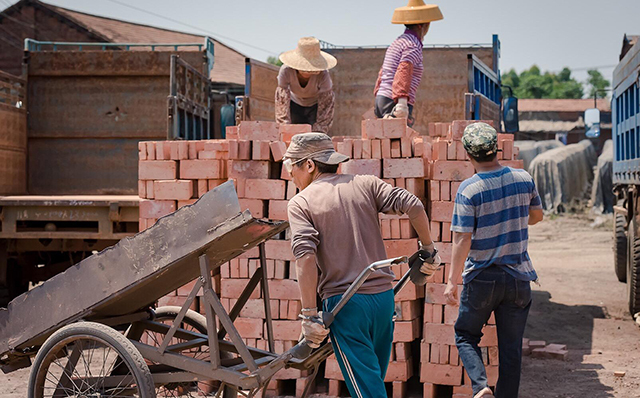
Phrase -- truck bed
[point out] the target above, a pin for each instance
(137, 271)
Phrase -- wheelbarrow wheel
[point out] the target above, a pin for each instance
(194, 322)
(88, 359)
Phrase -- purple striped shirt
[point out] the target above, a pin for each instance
(407, 47)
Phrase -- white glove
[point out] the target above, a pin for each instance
(431, 265)
(401, 110)
(313, 329)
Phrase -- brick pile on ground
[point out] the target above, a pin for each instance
(175, 173)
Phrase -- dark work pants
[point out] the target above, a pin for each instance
(493, 290)
(303, 114)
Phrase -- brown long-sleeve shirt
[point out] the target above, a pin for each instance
(336, 218)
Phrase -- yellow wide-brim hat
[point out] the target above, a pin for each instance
(416, 12)
(307, 57)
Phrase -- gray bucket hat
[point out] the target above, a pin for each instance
(315, 146)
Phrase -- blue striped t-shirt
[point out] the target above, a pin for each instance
(494, 206)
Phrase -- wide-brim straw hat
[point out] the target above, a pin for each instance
(307, 57)
(416, 12)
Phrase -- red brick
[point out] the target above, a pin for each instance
(451, 314)
(231, 133)
(200, 169)
(176, 301)
(150, 147)
(332, 369)
(490, 337)
(357, 149)
(202, 188)
(406, 331)
(385, 228)
(264, 189)
(439, 150)
(430, 390)
(409, 292)
(397, 248)
(372, 128)
(258, 130)
(395, 228)
(289, 130)
(279, 250)
(163, 150)
(385, 145)
(402, 351)
(292, 190)
(157, 170)
(452, 170)
(441, 211)
(261, 150)
(255, 207)
(278, 148)
(441, 374)
(457, 128)
(345, 147)
(233, 149)
(278, 209)
(396, 150)
(232, 288)
(416, 187)
(211, 184)
(451, 150)
(446, 232)
(249, 169)
(444, 355)
(284, 289)
(142, 150)
(399, 389)
(156, 208)
(173, 189)
(435, 230)
(494, 356)
(445, 191)
(206, 155)
(394, 128)
(376, 149)
(366, 149)
(142, 188)
(461, 153)
(403, 168)
(406, 145)
(362, 167)
(295, 308)
(249, 327)
(244, 150)
(399, 371)
(254, 308)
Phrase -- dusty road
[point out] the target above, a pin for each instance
(580, 303)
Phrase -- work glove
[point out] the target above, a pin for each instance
(313, 329)
(432, 262)
(424, 263)
(401, 110)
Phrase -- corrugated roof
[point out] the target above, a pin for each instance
(561, 105)
(228, 66)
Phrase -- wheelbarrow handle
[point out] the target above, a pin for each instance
(302, 349)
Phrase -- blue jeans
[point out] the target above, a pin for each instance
(493, 290)
(362, 335)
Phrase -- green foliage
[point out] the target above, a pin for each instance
(532, 83)
(274, 61)
(597, 84)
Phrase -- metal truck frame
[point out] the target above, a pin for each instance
(625, 109)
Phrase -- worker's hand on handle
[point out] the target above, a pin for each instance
(431, 263)
(451, 293)
(313, 329)
(401, 110)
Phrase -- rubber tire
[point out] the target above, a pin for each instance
(198, 322)
(127, 351)
(633, 272)
(620, 247)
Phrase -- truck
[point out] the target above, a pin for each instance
(625, 109)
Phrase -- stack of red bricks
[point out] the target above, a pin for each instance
(441, 369)
(175, 173)
(390, 150)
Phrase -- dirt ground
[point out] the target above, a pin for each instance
(579, 303)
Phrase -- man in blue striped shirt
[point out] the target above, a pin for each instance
(492, 212)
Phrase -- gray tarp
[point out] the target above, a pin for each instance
(602, 197)
(530, 149)
(564, 174)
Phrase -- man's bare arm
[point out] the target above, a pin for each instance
(307, 272)
(421, 225)
(535, 216)
(460, 252)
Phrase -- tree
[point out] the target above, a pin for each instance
(597, 84)
(274, 61)
(532, 83)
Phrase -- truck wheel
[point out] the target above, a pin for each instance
(88, 359)
(620, 248)
(633, 271)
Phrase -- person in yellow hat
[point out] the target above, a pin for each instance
(305, 91)
(401, 71)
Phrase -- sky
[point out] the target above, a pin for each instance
(579, 34)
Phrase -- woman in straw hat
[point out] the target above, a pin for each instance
(305, 92)
(402, 68)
